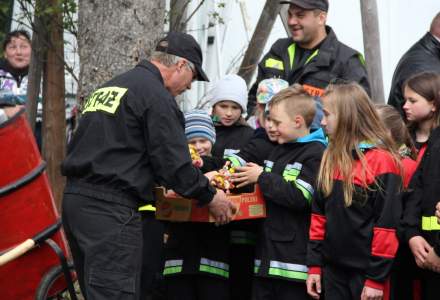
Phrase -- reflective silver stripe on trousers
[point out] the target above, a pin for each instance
(214, 263)
(173, 263)
(287, 266)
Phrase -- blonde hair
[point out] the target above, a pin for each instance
(297, 102)
(356, 121)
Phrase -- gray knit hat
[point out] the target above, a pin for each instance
(231, 88)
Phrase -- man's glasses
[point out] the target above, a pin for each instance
(190, 66)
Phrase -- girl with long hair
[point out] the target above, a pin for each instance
(422, 104)
(404, 278)
(356, 208)
(421, 107)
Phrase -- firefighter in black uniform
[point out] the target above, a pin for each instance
(130, 137)
(313, 56)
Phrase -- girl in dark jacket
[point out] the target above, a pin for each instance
(422, 95)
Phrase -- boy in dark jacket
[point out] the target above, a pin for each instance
(286, 182)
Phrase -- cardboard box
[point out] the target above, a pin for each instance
(172, 207)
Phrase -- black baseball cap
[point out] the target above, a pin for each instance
(309, 4)
(183, 45)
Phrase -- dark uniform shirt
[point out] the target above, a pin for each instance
(130, 137)
(423, 56)
(313, 69)
(420, 219)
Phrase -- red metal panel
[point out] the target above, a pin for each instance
(24, 212)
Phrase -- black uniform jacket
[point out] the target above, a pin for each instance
(287, 184)
(130, 137)
(422, 56)
(362, 236)
(229, 139)
(256, 151)
(332, 59)
(419, 218)
(203, 248)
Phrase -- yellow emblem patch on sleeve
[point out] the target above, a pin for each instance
(274, 64)
(105, 99)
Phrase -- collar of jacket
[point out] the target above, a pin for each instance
(152, 68)
(327, 49)
(431, 44)
(315, 136)
(16, 73)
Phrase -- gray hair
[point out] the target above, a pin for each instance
(169, 59)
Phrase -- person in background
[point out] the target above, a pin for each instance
(267, 88)
(15, 64)
(404, 276)
(312, 56)
(423, 56)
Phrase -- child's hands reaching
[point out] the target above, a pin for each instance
(246, 175)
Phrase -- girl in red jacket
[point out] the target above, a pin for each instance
(404, 278)
(356, 208)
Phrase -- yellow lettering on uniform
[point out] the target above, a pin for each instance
(105, 99)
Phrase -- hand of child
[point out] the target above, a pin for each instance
(197, 161)
(369, 293)
(437, 212)
(432, 261)
(247, 175)
(11, 111)
(420, 249)
(313, 284)
(210, 175)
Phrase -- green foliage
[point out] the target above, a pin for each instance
(39, 8)
(5, 20)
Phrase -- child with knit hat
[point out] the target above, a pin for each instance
(200, 132)
(197, 254)
(267, 88)
(229, 100)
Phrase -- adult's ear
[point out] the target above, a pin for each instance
(322, 18)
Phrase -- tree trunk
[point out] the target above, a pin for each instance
(284, 18)
(36, 65)
(54, 119)
(259, 39)
(178, 14)
(370, 28)
(113, 35)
